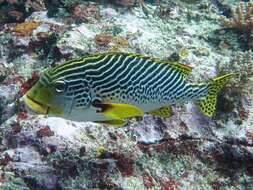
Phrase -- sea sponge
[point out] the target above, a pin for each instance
(241, 21)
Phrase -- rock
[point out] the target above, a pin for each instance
(148, 131)
(109, 13)
(43, 177)
(7, 95)
(80, 39)
(125, 3)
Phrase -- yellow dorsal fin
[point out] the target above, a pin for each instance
(182, 68)
(114, 111)
(163, 112)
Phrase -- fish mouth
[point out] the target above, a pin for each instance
(36, 105)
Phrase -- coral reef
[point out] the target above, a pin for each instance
(184, 151)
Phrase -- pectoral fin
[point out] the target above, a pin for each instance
(162, 112)
(114, 111)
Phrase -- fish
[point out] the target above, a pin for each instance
(114, 86)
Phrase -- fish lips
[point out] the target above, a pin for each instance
(35, 105)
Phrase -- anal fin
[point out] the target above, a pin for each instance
(115, 123)
(163, 112)
(114, 111)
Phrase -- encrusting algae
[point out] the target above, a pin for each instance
(112, 87)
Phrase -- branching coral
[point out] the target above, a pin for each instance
(241, 21)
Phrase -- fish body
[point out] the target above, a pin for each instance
(115, 86)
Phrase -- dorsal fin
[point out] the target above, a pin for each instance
(163, 112)
(185, 70)
(182, 68)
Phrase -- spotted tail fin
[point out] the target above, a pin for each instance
(208, 105)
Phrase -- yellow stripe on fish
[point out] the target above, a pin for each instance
(129, 84)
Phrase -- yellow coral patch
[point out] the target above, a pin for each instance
(25, 28)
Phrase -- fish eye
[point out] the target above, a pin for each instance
(60, 86)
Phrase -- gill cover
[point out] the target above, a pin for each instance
(40, 98)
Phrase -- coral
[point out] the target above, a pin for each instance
(241, 21)
(85, 13)
(103, 39)
(241, 18)
(117, 42)
(26, 28)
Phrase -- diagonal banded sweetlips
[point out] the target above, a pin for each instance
(111, 87)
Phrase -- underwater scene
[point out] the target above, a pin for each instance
(126, 94)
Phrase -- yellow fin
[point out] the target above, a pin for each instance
(114, 111)
(208, 105)
(162, 112)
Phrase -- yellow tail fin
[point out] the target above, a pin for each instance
(208, 105)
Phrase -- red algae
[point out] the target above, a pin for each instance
(45, 132)
(124, 164)
(5, 160)
(16, 127)
(169, 184)
(147, 180)
(29, 83)
(2, 179)
(216, 185)
(22, 115)
(15, 79)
